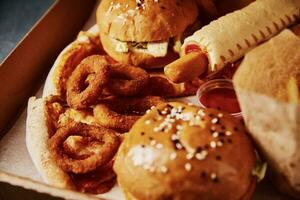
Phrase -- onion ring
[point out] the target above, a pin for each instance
(87, 82)
(127, 80)
(54, 107)
(101, 156)
(120, 114)
(98, 181)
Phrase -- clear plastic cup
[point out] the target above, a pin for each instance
(217, 85)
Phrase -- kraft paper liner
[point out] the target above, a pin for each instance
(228, 38)
(273, 122)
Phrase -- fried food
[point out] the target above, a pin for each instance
(127, 80)
(87, 82)
(103, 145)
(121, 113)
(98, 181)
(55, 106)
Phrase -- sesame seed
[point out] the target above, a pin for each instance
(164, 112)
(220, 115)
(156, 129)
(189, 156)
(228, 133)
(159, 146)
(213, 128)
(213, 176)
(174, 137)
(178, 146)
(202, 155)
(163, 169)
(199, 156)
(201, 113)
(215, 134)
(188, 167)
(147, 122)
(153, 142)
(148, 111)
(173, 156)
(215, 120)
(219, 143)
(191, 104)
(213, 144)
(152, 107)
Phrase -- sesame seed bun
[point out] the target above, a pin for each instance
(152, 21)
(144, 21)
(177, 151)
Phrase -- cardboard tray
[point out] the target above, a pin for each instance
(22, 73)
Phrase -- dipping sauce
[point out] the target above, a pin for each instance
(219, 94)
(221, 98)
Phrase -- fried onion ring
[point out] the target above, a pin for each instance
(98, 181)
(87, 82)
(120, 114)
(127, 80)
(107, 140)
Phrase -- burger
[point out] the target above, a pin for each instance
(178, 151)
(146, 33)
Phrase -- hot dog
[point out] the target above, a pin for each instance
(227, 39)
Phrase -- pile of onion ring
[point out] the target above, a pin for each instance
(99, 147)
(97, 74)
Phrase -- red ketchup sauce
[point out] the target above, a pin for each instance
(191, 48)
(221, 98)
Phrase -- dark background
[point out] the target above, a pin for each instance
(16, 19)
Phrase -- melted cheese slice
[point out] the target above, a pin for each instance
(156, 49)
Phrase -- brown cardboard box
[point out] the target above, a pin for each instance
(21, 75)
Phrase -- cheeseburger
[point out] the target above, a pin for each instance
(181, 152)
(146, 33)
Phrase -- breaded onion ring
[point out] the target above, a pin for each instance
(127, 80)
(107, 140)
(87, 82)
(98, 181)
(120, 114)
